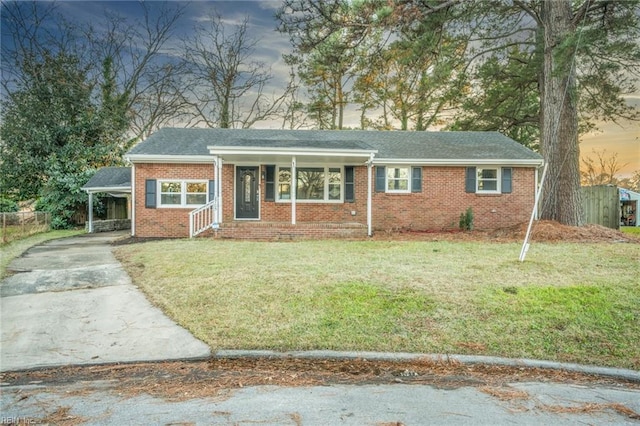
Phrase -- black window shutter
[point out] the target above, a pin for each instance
(212, 190)
(416, 179)
(470, 180)
(380, 178)
(270, 184)
(349, 184)
(506, 180)
(150, 192)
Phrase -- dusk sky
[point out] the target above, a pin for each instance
(271, 45)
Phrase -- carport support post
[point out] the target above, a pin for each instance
(90, 212)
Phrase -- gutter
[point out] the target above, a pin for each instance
(460, 162)
(155, 158)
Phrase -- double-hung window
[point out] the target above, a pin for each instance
(488, 180)
(398, 179)
(322, 184)
(182, 193)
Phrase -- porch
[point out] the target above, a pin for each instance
(245, 230)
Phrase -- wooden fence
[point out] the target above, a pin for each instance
(602, 205)
(21, 224)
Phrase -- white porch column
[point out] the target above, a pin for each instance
(90, 212)
(369, 196)
(294, 185)
(218, 162)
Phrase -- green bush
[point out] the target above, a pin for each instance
(7, 205)
(466, 220)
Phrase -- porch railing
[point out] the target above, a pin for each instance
(202, 218)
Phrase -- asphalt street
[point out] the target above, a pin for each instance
(392, 404)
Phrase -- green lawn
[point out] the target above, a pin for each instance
(566, 302)
(633, 230)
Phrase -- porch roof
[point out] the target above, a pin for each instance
(269, 154)
(110, 179)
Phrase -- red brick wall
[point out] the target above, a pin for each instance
(438, 206)
(320, 212)
(443, 198)
(165, 222)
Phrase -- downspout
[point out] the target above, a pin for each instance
(369, 196)
(294, 185)
(535, 188)
(133, 199)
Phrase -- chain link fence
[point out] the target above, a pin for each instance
(21, 224)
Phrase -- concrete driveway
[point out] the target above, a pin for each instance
(70, 302)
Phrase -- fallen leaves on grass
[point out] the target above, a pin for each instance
(478, 347)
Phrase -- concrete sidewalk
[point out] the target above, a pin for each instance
(70, 302)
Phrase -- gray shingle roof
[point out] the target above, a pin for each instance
(110, 177)
(389, 144)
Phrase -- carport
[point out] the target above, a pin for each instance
(115, 181)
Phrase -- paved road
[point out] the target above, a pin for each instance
(70, 302)
(99, 403)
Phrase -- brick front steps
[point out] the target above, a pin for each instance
(286, 231)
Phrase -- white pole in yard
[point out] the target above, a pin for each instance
(534, 213)
(90, 212)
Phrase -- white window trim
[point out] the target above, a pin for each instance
(498, 189)
(397, 191)
(183, 193)
(326, 168)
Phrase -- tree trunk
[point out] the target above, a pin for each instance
(561, 198)
(341, 103)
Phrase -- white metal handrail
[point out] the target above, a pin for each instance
(202, 218)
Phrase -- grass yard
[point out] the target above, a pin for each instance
(631, 230)
(566, 302)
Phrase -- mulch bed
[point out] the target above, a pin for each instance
(542, 231)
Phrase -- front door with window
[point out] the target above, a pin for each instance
(247, 197)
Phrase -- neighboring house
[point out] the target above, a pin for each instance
(629, 204)
(253, 183)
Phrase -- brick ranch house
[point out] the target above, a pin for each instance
(254, 183)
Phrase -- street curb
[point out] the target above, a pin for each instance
(617, 373)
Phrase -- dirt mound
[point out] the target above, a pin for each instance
(542, 231)
(551, 231)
